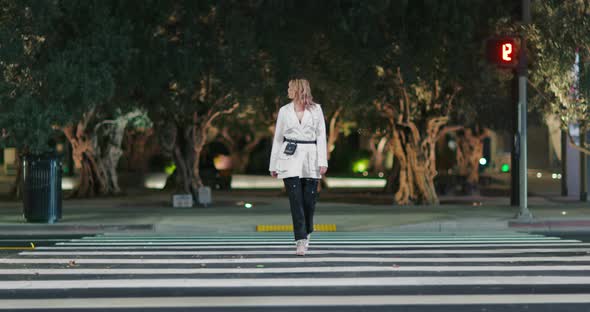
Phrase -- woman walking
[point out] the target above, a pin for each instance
(299, 157)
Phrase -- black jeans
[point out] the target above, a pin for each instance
(302, 198)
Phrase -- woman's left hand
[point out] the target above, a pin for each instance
(323, 170)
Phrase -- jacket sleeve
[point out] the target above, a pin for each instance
(277, 141)
(321, 140)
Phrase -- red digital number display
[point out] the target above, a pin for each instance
(502, 51)
(507, 52)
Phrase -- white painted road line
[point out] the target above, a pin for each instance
(310, 252)
(292, 259)
(290, 242)
(297, 282)
(323, 239)
(288, 270)
(289, 301)
(273, 246)
(341, 233)
(318, 236)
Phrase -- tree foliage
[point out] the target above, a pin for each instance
(558, 36)
(412, 69)
(202, 62)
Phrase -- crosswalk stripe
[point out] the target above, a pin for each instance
(86, 272)
(290, 242)
(312, 252)
(284, 246)
(316, 236)
(297, 282)
(291, 260)
(31, 239)
(340, 233)
(401, 232)
(290, 301)
(351, 239)
(389, 268)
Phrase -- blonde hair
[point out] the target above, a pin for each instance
(302, 92)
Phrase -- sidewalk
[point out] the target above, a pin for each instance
(152, 211)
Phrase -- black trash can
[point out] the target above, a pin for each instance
(42, 196)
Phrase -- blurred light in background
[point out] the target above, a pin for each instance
(355, 183)
(483, 161)
(155, 180)
(158, 181)
(69, 183)
(222, 162)
(452, 145)
(360, 165)
(505, 167)
(556, 176)
(264, 182)
(239, 181)
(170, 169)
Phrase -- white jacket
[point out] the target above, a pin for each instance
(308, 158)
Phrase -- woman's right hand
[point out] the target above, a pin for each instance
(273, 174)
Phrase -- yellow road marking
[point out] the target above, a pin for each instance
(289, 228)
(19, 248)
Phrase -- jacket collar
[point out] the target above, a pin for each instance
(306, 115)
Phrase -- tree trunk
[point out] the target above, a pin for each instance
(334, 130)
(183, 178)
(185, 143)
(405, 191)
(198, 135)
(416, 176)
(93, 179)
(177, 142)
(334, 127)
(377, 146)
(248, 150)
(240, 160)
(109, 157)
(393, 178)
(137, 154)
(416, 116)
(469, 152)
(198, 139)
(240, 155)
(197, 181)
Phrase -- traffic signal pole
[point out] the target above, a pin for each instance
(514, 155)
(583, 165)
(524, 213)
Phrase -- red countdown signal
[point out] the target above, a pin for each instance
(502, 51)
(507, 52)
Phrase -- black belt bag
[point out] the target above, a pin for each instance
(292, 145)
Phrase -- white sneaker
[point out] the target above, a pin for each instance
(307, 241)
(301, 247)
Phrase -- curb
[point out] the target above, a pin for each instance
(549, 225)
(12, 229)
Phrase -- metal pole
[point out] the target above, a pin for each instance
(524, 213)
(583, 166)
(515, 154)
(564, 191)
